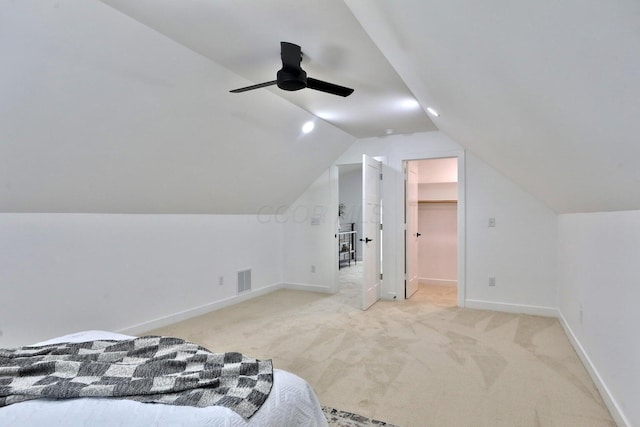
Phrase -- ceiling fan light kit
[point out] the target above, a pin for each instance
(292, 77)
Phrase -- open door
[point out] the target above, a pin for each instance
(371, 220)
(411, 229)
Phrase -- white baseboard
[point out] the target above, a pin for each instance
(512, 308)
(307, 287)
(391, 296)
(612, 405)
(607, 397)
(438, 282)
(197, 311)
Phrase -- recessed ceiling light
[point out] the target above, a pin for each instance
(388, 131)
(410, 103)
(308, 127)
(325, 115)
(433, 112)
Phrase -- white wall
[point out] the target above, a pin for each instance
(438, 245)
(307, 245)
(599, 290)
(62, 273)
(438, 223)
(520, 252)
(438, 191)
(437, 171)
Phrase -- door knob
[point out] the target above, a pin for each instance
(418, 234)
(366, 240)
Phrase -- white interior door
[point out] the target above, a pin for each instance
(371, 220)
(411, 227)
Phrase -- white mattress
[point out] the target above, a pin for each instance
(291, 402)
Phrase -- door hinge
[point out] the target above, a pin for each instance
(380, 176)
(380, 276)
(380, 226)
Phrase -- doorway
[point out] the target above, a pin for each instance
(359, 232)
(431, 230)
(350, 271)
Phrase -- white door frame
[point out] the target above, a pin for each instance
(335, 189)
(462, 263)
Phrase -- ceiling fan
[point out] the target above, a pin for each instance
(292, 77)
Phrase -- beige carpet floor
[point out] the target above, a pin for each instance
(421, 362)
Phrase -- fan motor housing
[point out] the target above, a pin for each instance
(292, 79)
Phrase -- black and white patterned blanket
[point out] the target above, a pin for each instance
(148, 369)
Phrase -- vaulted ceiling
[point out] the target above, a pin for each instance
(244, 36)
(547, 92)
(120, 106)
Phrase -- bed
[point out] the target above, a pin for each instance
(291, 402)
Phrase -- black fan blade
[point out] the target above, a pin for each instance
(258, 86)
(328, 87)
(291, 55)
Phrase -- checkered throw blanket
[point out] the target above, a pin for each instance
(149, 369)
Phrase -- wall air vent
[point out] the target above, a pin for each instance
(244, 281)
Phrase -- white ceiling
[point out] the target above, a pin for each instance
(101, 114)
(545, 91)
(244, 36)
(128, 110)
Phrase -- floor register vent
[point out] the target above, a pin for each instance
(244, 281)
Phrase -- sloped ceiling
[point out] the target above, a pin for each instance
(547, 92)
(244, 36)
(99, 113)
(106, 112)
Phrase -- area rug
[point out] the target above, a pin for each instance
(337, 418)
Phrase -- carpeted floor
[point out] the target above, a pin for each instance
(421, 362)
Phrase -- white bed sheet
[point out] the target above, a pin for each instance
(291, 403)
